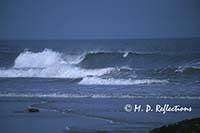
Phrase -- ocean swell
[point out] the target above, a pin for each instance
(48, 64)
(104, 68)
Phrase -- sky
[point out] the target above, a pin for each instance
(99, 19)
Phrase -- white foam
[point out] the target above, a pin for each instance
(125, 54)
(74, 59)
(56, 71)
(110, 81)
(103, 96)
(42, 59)
(49, 64)
(126, 68)
(182, 69)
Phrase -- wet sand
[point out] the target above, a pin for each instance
(88, 115)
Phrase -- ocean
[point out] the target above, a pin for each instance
(101, 70)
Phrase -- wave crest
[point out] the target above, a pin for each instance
(42, 59)
(100, 81)
(48, 64)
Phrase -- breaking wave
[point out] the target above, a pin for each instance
(104, 68)
(48, 64)
(57, 71)
(136, 60)
(55, 95)
(42, 59)
(100, 81)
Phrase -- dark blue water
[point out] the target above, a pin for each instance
(161, 68)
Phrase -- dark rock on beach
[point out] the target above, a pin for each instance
(31, 110)
(185, 126)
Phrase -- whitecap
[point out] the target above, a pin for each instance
(111, 81)
(49, 64)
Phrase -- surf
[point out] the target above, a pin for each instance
(48, 64)
(103, 67)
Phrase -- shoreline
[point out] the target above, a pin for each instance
(76, 114)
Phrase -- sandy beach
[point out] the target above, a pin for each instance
(91, 115)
